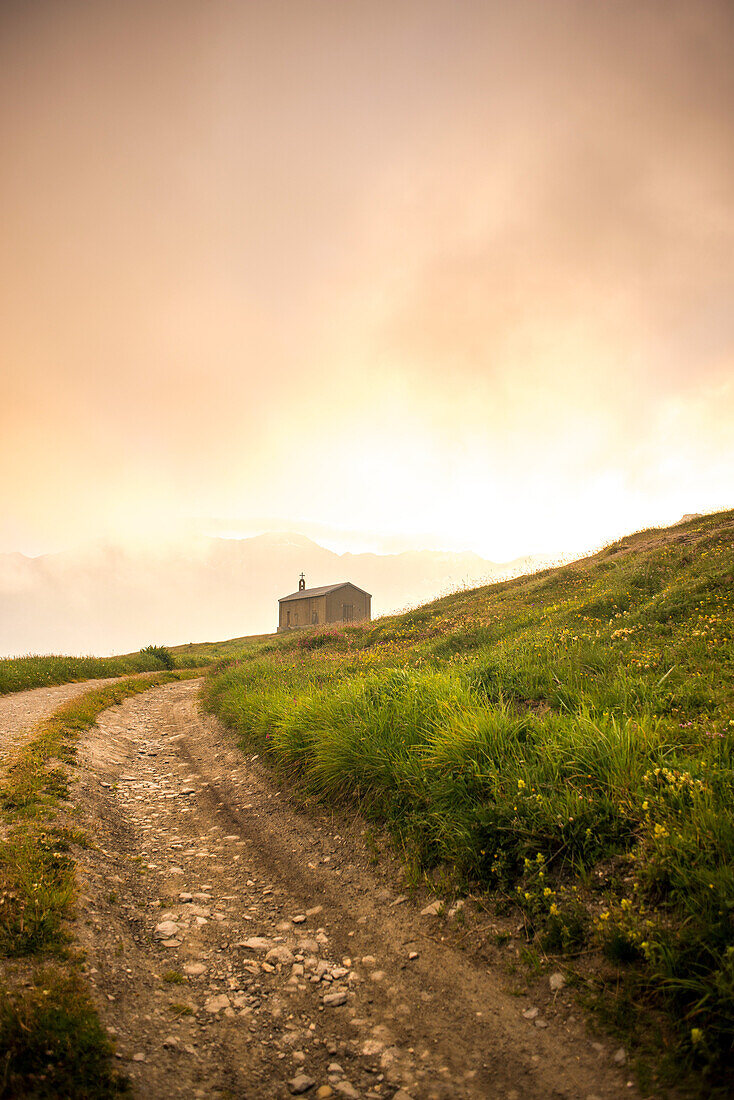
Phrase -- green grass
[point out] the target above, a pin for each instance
(23, 673)
(174, 977)
(563, 739)
(206, 653)
(51, 1042)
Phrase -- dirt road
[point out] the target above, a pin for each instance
(21, 711)
(240, 948)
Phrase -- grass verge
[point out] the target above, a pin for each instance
(563, 742)
(51, 1042)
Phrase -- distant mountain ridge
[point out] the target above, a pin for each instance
(109, 599)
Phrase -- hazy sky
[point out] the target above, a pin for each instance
(450, 273)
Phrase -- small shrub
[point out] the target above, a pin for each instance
(161, 654)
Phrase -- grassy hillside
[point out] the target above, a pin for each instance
(23, 673)
(564, 740)
(205, 653)
(35, 670)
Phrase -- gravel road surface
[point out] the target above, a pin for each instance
(240, 947)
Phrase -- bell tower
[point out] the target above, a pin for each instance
(302, 583)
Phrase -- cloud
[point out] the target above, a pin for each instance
(390, 266)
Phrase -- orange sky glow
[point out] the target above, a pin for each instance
(449, 274)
